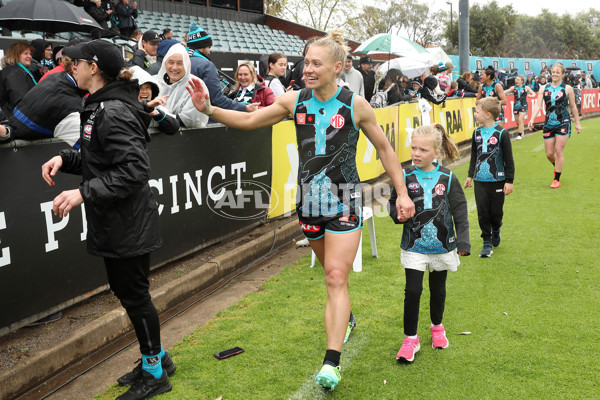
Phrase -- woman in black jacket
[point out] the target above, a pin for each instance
(17, 79)
(122, 214)
(463, 83)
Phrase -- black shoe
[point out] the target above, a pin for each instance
(146, 387)
(487, 251)
(496, 238)
(167, 365)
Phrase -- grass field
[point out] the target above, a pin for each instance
(532, 309)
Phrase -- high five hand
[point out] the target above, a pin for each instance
(200, 98)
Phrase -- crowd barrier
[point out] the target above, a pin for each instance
(210, 183)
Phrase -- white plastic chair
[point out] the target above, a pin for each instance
(367, 216)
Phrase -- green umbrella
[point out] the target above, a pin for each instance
(386, 43)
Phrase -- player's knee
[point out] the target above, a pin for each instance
(336, 278)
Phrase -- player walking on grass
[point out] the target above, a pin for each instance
(493, 170)
(327, 121)
(428, 238)
(520, 92)
(491, 88)
(558, 97)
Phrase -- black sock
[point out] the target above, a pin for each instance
(557, 175)
(332, 357)
(553, 164)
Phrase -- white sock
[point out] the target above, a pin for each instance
(413, 337)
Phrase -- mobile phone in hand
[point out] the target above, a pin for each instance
(228, 353)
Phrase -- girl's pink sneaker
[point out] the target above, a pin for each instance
(438, 337)
(409, 349)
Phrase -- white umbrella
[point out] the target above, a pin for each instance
(409, 66)
(386, 43)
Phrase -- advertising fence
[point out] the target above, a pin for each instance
(209, 183)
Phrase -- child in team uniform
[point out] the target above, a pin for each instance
(428, 238)
(493, 170)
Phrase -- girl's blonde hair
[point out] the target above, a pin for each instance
(336, 44)
(252, 72)
(441, 140)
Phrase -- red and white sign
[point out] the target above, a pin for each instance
(337, 121)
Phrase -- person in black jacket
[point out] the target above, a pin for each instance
(50, 109)
(464, 83)
(368, 76)
(96, 11)
(121, 211)
(126, 15)
(17, 79)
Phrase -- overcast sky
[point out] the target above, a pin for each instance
(532, 7)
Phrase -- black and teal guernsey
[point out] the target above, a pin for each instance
(520, 94)
(327, 135)
(490, 91)
(491, 155)
(440, 205)
(556, 100)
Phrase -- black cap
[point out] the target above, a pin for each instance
(366, 60)
(106, 55)
(198, 38)
(151, 36)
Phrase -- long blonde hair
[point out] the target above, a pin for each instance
(441, 140)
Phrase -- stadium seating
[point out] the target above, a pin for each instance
(231, 36)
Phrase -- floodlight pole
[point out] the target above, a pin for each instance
(463, 35)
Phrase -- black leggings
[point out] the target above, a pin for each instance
(128, 279)
(412, 298)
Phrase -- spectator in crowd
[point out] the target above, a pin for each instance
(431, 90)
(120, 208)
(167, 33)
(172, 78)
(248, 90)
(16, 79)
(154, 104)
(199, 43)
(352, 77)
(587, 82)
(443, 78)
(277, 65)
(161, 50)
(102, 17)
(58, 57)
(146, 56)
(49, 109)
(397, 92)
(453, 92)
(366, 69)
(464, 83)
(126, 15)
(541, 82)
(416, 86)
(530, 81)
(41, 61)
(298, 68)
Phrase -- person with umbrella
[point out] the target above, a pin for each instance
(328, 119)
(121, 211)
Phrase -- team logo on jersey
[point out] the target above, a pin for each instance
(440, 189)
(414, 186)
(493, 140)
(337, 121)
(478, 138)
(305, 119)
(87, 132)
(559, 95)
(309, 228)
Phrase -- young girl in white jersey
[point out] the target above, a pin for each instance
(428, 238)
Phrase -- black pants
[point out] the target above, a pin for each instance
(128, 279)
(412, 298)
(489, 197)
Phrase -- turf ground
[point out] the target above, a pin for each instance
(532, 309)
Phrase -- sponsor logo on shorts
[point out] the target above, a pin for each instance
(547, 134)
(493, 140)
(309, 228)
(499, 190)
(500, 173)
(337, 121)
(440, 189)
(563, 130)
(451, 240)
(414, 186)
